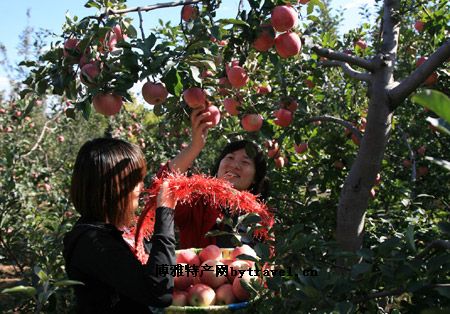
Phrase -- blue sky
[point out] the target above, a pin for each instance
(50, 14)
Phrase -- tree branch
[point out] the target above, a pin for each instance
(41, 136)
(340, 56)
(149, 7)
(349, 70)
(416, 78)
(347, 124)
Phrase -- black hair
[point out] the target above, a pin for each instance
(260, 186)
(105, 172)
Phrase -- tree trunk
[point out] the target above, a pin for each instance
(355, 194)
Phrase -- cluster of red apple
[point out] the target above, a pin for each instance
(212, 287)
(283, 19)
(108, 103)
(17, 121)
(274, 151)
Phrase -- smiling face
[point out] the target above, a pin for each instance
(238, 169)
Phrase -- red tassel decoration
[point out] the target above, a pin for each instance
(216, 192)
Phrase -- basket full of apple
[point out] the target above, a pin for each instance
(211, 279)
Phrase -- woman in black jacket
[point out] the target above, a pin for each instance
(106, 183)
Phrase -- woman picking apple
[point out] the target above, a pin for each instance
(244, 172)
(106, 183)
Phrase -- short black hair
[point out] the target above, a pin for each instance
(261, 182)
(105, 172)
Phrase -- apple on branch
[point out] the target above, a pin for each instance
(154, 93)
(288, 44)
(283, 18)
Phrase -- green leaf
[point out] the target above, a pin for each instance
(434, 100)
(361, 268)
(444, 291)
(443, 163)
(262, 250)
(251, 218)
(410, 237)
(440, 124)
(234, 22)
(215, 233)
(195, 74)
(173, 82)
(66, 283)
(85, 107)
(31, 291)
(131, 31)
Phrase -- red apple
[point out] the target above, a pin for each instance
(252, 122)
(422, 171)
(206, 73)
(189, 257)
(361, 44)
(244, 249)
(378, 179)
(224, 295)
(71, 50)
(195, 97)
(210, 252)
(184, 281)
(107, 104)
(188, 12)
(89, 73)
(303, 1)
(280, 161)
(231, 105)
(60, 138)
(234, 267)
(201, 295)
(265, 39)
(283, 117)
(179, 298)
(284, 17)
(419, 26)
(263, 89)
(237, 76)
(372, 193)
(288, 44)
(117, 30)
(301, 148)
(356, 140)
(310, 84)
(154, 93)
(421, 150)
(18, 114)
(292, 106)
(215, 115)
(273, 151)
(338, 165)
(238, 290)
(209, 273)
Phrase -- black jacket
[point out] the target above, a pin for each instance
(114, 280)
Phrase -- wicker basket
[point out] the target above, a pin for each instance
(229, 308)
